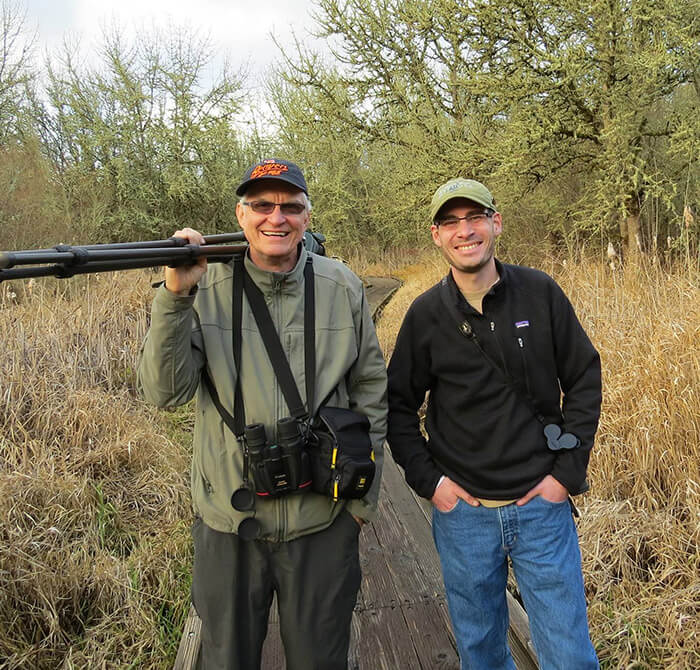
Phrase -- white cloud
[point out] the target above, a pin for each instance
(239, 30)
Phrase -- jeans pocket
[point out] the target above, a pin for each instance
(452, 509)
(550, 502)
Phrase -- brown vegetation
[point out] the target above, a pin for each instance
(94, 508)
(94, 551)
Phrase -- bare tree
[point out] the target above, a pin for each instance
(16, 48)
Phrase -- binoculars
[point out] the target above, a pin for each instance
(277, 469)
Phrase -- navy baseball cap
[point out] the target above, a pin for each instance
(273, 168)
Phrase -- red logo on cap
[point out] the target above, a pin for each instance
(268, 170)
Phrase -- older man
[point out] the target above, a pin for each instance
(301, 546)
(496, 346)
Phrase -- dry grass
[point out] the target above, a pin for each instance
(640, 524)
(94, 506)
(94, 503)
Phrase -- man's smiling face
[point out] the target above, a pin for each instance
(273, 238)
(468, 245)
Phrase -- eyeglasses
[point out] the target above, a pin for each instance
(474, 219)
(266, 207)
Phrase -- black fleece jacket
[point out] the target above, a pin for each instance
(481, 432)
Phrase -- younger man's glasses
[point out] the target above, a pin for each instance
(473, 219)
(265, 207)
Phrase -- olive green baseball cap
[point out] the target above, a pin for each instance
(461, 188)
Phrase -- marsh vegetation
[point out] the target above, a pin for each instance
(584, 120)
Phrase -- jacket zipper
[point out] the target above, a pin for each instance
(498, 346)
(279, 402)
(521, 345)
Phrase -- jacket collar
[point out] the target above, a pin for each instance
(495, 290)
(268, 281)
(502, 277)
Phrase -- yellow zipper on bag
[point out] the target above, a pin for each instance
(335, 479)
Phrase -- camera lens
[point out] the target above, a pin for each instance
(255, 435)
(243, 499)
(249, 529)
(290, 440)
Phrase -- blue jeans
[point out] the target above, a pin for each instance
(474, 544)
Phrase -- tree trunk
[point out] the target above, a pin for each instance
(630, 228)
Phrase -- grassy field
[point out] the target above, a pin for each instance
(94, 502)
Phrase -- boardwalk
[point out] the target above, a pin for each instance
(401, 619)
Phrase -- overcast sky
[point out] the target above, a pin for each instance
(239, 29)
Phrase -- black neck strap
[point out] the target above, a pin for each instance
(236, 336)
(310, 335)
(274, 348)
(236, 423)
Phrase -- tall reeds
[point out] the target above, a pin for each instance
(94, 511)
(94, 503)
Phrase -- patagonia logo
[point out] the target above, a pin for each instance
(268, 170)
(522, 324)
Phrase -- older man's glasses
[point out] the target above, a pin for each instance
(473, 219)
(266, 207)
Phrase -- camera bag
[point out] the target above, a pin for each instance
(341, 454)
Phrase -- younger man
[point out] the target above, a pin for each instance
(502, 355)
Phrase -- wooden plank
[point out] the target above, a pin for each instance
(412, 559)
(188, 651)
(379, 290)
(396, 591)
(519, 636)
(401, 576)
(415, 517)
(379, 641)
(377, 590)
(431, 634)
(273, 651)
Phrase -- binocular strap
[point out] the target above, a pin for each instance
(242, 282)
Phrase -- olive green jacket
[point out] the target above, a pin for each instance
(188, 333)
